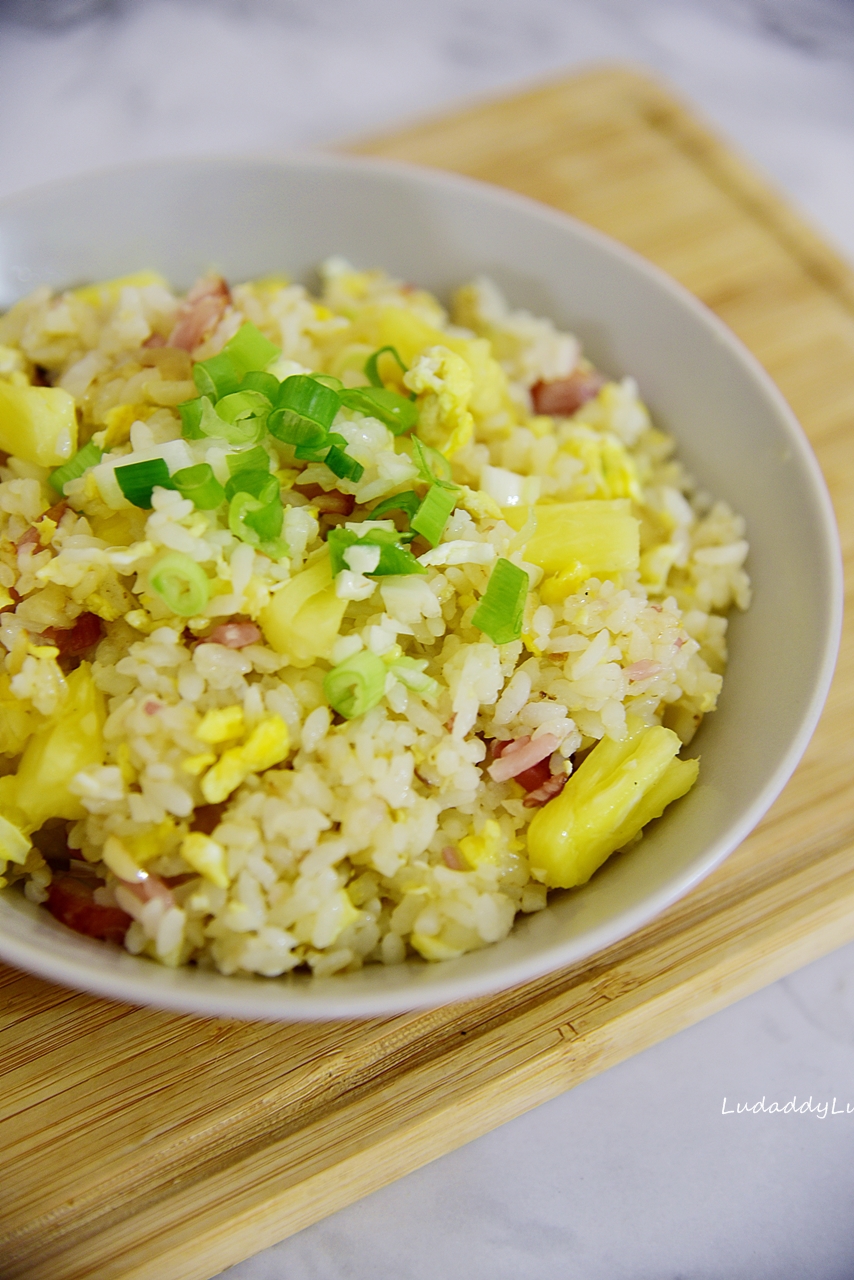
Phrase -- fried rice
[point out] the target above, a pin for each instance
(436, 658)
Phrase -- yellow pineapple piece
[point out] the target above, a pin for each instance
(618, 789)
(302, 620)
(38, 424)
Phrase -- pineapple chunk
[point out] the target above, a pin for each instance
(302, 620)
(618, 789)
(17, 719)
(603, 536)
(71, 740)
(38, 424)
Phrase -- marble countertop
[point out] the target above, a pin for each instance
(649, 1170)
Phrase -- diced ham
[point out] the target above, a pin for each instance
(200, 312)
(149, 888)
(156, 340)
(451, 858)
(334, 503)
(71, 903)
(534, 777)
(563, 397)
(552, 787)
(235, 635)
(644, 669)
(73, 641)
(521, 755)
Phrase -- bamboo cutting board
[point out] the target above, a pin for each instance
(137, 1145)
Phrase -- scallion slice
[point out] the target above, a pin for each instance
(433, 514)
(342, 465)
(410, 672)
(407, 502)
(200, 421)
(502, 605)
(137, 479)
(395, 559)
(393, 410)
(258, 523)
(259, 483)
(355, 685)
(245, 416)
(250, 350)
(304, 411)
(256, 459)
(89, 456)
(181, 583)
(266, 383)
(200, 485)
(218, 376)
(372, 372)
(433, 467)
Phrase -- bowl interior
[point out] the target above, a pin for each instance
(734, 432)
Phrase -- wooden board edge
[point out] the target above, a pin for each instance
(663, 109)
(245, 1209)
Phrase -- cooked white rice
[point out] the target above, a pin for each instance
(382, 836)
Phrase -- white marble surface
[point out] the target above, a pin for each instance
(637, 1173)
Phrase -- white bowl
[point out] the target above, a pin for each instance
(734, 430)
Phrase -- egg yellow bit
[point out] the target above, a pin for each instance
(444, 382)
(267, 744)
(619, 788)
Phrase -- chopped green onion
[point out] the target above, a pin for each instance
(317, 453)
(257, 522)
(328, 380)
(191, 416)
(218, 376)
(372, 372)
(499, 613)
(250, 350)
(355, 685)
(137, 479)
(304, 412)
(256, 459)
(260, 484)
(395, 559)
(181, 583)
(266, 383)
(433, 467)
(245, 415)
(200, 485)
(343, 466)
(407, 502)
(89, 456)
(392, 409)
(200, 420)
(433, 514)
(410, 672)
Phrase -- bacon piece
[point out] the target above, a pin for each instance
(563, 397)
(156, 340)
(551, 787)
(452, 859)
(534, 777)
(56, 512)
(235, 635)
(334, 503)
(644, 669)
(521, 755)
(200, 312)
(149, 888)
(28, 538)
(73, 641)
(70, 902)
(207, 818)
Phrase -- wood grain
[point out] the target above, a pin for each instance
(137, 1145)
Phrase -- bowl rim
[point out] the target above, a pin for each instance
(326, 999)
